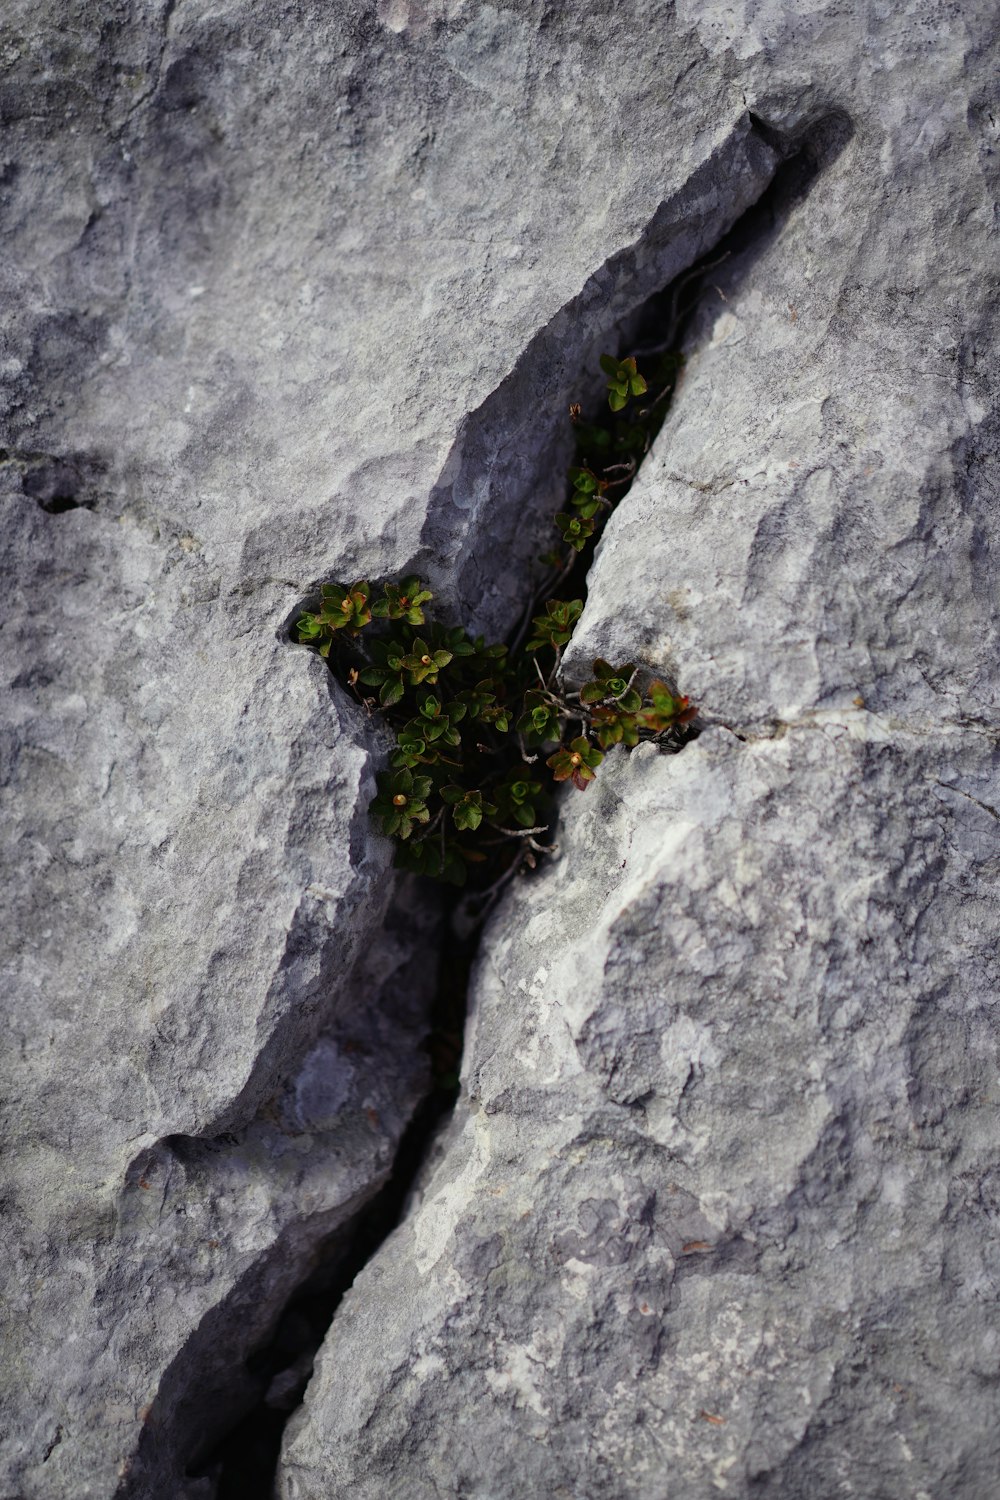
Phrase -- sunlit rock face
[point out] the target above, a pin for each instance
(292, 296)
(717, 1208)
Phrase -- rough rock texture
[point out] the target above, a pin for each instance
(717, 1213)
(288, 292)
(718, 1210)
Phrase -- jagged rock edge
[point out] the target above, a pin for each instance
(667, 247)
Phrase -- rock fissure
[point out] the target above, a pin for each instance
(295, 292)
(245, 1459)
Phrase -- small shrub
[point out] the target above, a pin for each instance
(474, 723)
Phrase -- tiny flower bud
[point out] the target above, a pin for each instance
(399, 800)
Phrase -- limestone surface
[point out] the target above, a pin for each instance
(288, 293)
(717, 1211)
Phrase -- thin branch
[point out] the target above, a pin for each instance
(431, 826)
(498, 885)
(521, 833)
(491, 895)
(668, 390)
(550, 582)
(667, 342)
(552, 849)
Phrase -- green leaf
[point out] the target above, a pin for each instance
(467, 816)
(667, 711)
(392, 691)
(467, 811)
(584, 480)
(411, 754)
(616, 400)
(587, 507)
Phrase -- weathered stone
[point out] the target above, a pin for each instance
(715, 1212)
(717, 1208)
(287, 295)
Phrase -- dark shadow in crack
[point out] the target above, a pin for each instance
(319, 1149)
(505, 475)
(244, 1461)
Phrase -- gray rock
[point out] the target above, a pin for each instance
(716, 1213)
(286, 296)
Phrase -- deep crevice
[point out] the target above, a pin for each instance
(244, 1461)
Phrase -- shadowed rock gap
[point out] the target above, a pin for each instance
(56, 483)
(245, 1461)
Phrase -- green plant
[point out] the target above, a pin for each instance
(474, 722)
(612, 685)
(339, 609)
(554, 628)
(665, 711)
(576, 762)
(624, 380)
